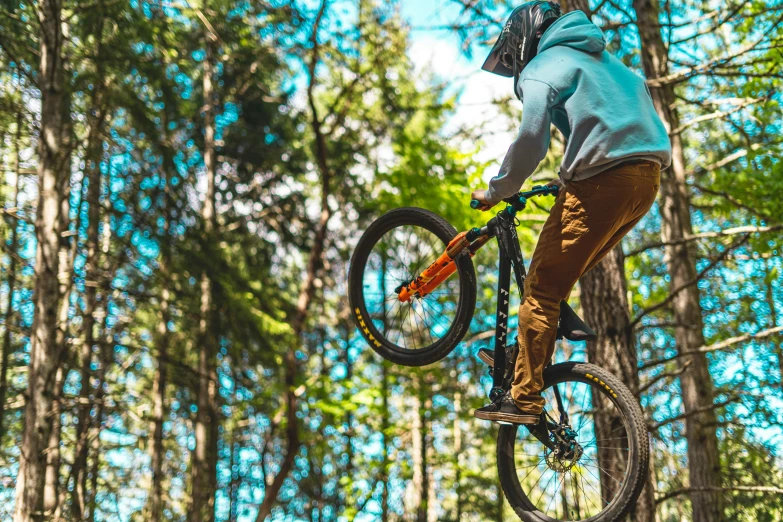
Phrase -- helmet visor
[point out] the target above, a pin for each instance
(499, 61)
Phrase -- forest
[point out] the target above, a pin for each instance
(184, 182)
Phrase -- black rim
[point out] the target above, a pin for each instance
(399, 255)
(592, 477)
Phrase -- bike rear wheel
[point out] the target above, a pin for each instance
(392, 252)
(599, 478)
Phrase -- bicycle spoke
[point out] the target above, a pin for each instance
(532, 470)
(396, 259)
(604, 470)
(574, 489)
(578, 489)
(543, 490)
(555, 494)
(591, 487)
(599, 484)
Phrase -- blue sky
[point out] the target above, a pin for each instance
(440, 51)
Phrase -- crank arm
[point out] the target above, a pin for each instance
(541, 431)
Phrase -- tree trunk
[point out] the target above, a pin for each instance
(420, 483)
(159, 405)
(105, 360)
(45, 355)
(575, 5)
(67, 254)
(234, 440)
(696, 381)
(94, 148)
(9, 311)
(605, 303)
(349, 450)
(384, 439)
(307, 290)
(417, 493)
(204, 478)
(458, 450)
(773, 318)
(95, 432)
(79, 468)
(162, 339)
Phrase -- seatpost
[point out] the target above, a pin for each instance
(501, 323)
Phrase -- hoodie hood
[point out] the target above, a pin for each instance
(573, 30)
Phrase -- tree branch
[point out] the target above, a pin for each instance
(705, 67)
(662, 376)
(713, 28)
(725, 161)
(734, 201)
(659, 425)
(716, 115)
(752, 489)
(716, 347)
(705, 235)
(695, 280)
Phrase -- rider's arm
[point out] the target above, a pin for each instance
(531, 145)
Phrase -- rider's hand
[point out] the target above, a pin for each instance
(555, 183)
(480, 195)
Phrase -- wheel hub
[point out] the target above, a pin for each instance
(567, 451)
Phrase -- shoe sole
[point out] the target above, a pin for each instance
(507, 418)
(485, 358)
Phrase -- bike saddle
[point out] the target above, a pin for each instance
(572, 327)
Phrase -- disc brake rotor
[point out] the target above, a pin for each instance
(566, 452)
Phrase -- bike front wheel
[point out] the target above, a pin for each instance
(597, 462)
(391, 254)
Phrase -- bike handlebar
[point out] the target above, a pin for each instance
(520, 199)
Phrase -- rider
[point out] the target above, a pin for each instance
(609, 176)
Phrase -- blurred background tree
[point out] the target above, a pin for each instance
(183, 184)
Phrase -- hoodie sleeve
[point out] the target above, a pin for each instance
(530, 146)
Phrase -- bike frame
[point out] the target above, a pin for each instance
(502, 373)
(510, 257)
(502, 227)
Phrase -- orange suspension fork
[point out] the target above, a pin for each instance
(442, 268)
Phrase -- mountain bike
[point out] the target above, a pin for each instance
(412, 290)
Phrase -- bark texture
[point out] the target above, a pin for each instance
(773, 318)
(575, 5)
(162, 340)
(457, 432)
(384, 436)
(155, 506)
(420, 482)
(96, 121)
(105, 359)
(695, 382)
(79, 468)
(45, 352)
(205, 453)
(605, 303)
(9, 311)
(307, 291)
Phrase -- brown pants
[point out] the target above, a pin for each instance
(588, 219)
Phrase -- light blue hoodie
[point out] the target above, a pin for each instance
(602, 108)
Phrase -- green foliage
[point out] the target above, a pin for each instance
(135, 83)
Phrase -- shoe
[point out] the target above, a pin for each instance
(505, 411)
(487, 356)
